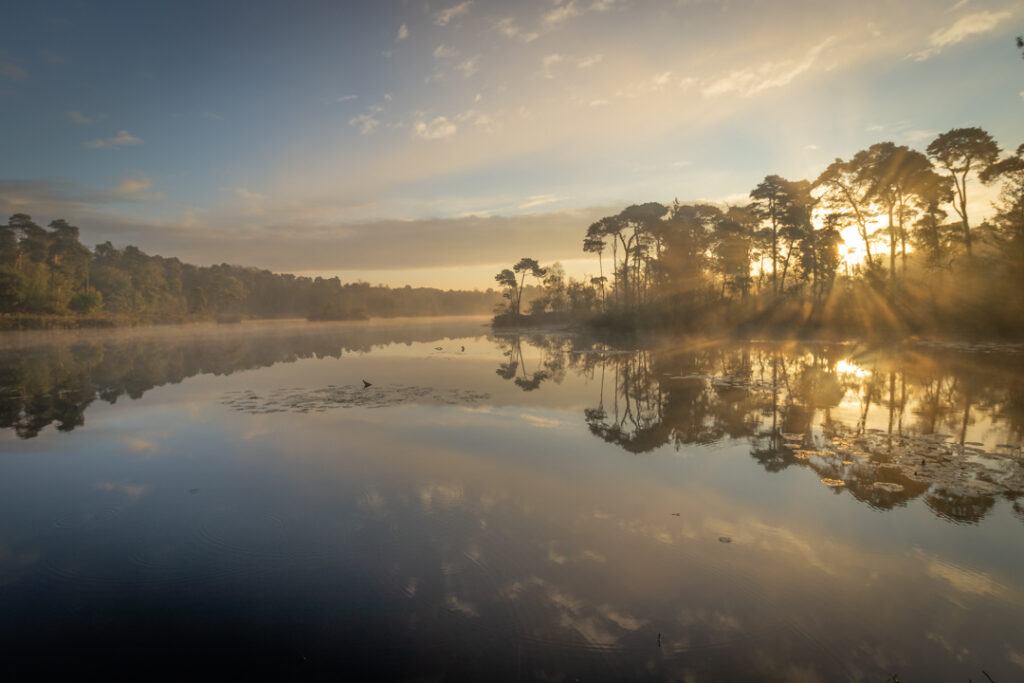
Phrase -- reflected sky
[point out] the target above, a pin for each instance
(459, 524)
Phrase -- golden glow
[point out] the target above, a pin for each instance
(845, 367)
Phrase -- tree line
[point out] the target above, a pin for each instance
(911, 260)
(48, 271)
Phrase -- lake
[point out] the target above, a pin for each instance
(214, 500)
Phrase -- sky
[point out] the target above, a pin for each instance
(434, 143)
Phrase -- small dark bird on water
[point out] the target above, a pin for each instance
(366, 384)
(439, 348)
(463, 348)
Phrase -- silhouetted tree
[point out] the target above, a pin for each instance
(900, 180)
(846, 191)
(958, 152)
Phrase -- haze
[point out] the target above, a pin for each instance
(432, 143)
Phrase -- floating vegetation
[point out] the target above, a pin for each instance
(833, 483)
(302, 400)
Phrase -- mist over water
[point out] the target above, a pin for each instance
(216, 500)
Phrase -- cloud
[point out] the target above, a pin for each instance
(652, 84)
(246, 194)
(12, 71)
(587, 62)
(365, 122)
(552, 19)
(919, 135)
(62, 199)
(437, 129)
(135, 445)
(132, 491)
(543, 423)
(960, 579)
(747, 82)
(213, 117)
(469, 67)
(477, 118)
(122, 139)
(508, 27)
(445, 16)
(132, 185)
(540, 200)
(443, 51)
(252, 202)
(346, 98)
(561, 14)
(79, 118)
(963, 28)
(403, 33)
(291, 237)
(548, 61)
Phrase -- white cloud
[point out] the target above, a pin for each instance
(365, 122)
(919, 135)
(437, 129)
(132, 491)
(445, 16)
(213, 117)
(135, 184)
(469, 67)
(963, 28)
(587, 62)
(561, 14)
(750, 81)
(443, 51)
(540, 200)
(79, 118)
(346, 98)
(811, 148)
(403, 33)
(508, 27)
(122, 139)
(659, 81)
(246, 194)
(598, 103)
(548, 61)
(602, 5)
(477, 118)
(655, 83)
(252, 202)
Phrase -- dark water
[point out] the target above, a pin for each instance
(232, 501)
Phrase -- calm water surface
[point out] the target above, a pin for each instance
(218, 500)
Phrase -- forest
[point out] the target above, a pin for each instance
(880, 243)
(49, 278)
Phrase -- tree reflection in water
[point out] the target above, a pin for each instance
(55, 381)
(886, 425)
